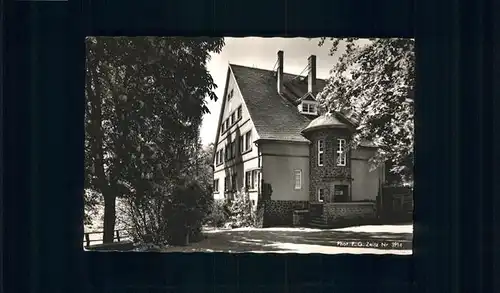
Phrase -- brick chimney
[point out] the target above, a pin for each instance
(279, 75)
(311, 78)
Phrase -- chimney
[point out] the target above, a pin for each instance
(311, 78)
(279, 75)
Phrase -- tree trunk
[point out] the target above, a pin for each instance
(109, 218)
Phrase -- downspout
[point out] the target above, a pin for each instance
(259, 188)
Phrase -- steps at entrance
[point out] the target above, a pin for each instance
(318, 222)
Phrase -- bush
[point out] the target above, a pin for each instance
(169, 216)
(186, 213)
(241, 213)
(219, 214)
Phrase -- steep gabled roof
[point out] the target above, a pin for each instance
(274, 116)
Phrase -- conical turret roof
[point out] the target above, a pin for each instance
(327, 120)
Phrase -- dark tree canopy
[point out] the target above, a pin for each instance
(373, 83)
(145, 97)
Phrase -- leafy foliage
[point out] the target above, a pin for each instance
(241, 212)
(373, 84)
(167, 216)
(219, 214)
(145, 100)
(91, 206)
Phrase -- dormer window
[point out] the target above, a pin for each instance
(308, 107)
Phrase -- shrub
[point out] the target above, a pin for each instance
(169, 215)
(241, 213)
(219, 214)
(186, 213)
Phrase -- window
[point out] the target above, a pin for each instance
(341, 193)
(321, 151)
(309, 108)
(216, 185)
(239, 112)
(230, 94)
(228, 151)
(298, 179)
(248, 141)
(233, 182)
(240, 144)
(226, 183)
(252, 179)
(255, 177)
(233, 149)
(341, 153)
(217, 158)
(321, 194)
(221, 156)
(248, 180)
(233, 118)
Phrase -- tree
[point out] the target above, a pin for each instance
(206, 172)
(145, 99)
(373, 84)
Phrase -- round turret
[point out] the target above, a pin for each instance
(327, 120)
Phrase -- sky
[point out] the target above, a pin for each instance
(261, 53)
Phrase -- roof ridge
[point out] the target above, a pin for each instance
(271, 71)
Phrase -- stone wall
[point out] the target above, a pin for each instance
(280, 212)
(347, 211)
(320, 176)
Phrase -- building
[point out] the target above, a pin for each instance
(272, 141)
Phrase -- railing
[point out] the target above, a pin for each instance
(118, 235)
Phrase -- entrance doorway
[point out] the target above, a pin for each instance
(341, 193)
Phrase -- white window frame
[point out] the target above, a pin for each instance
(321, 151)
(341, 154)
(249, 182)
(248, 140)
(255, 179)
(298, 184)
(226, 183)
(216, 185)
(319, 195)
(311, 107)
(241, 144)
